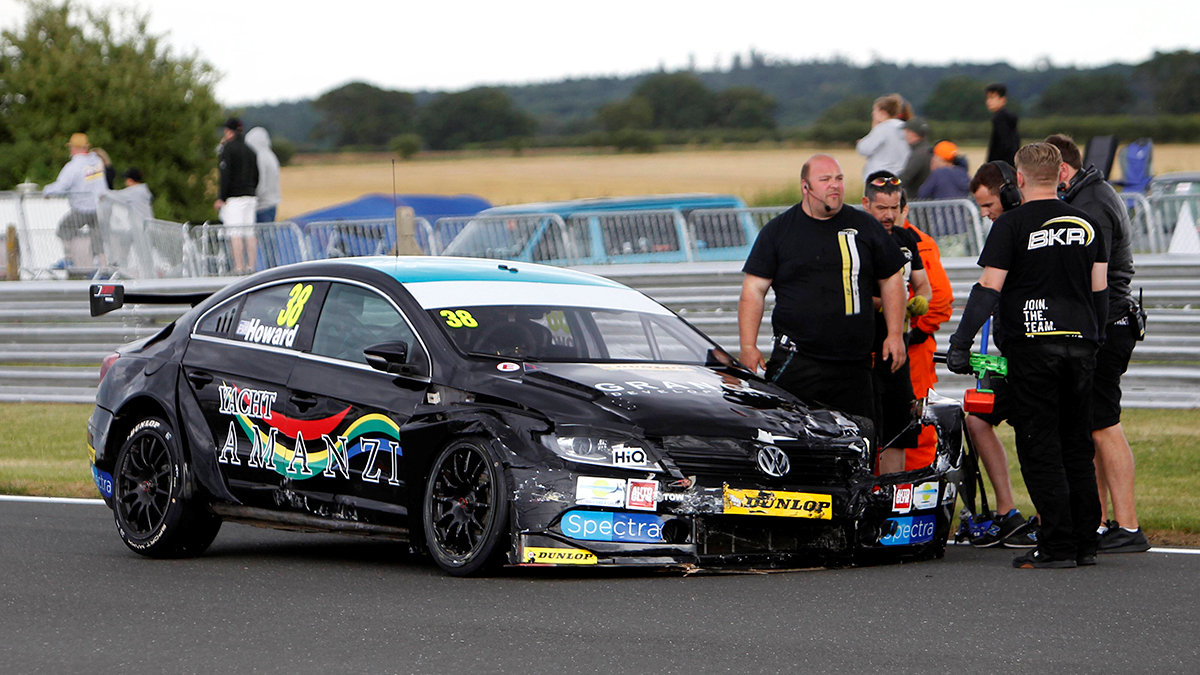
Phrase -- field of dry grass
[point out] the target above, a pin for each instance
(319, 181)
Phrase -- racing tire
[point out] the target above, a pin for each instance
(465, 509)
(154, 517)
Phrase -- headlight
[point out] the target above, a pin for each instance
(619, 454)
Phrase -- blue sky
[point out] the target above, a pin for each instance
(270, 51)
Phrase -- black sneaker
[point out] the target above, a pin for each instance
(1036, 560)
(1000, 529)
(1085, 559)
(1119, 540)
(1107, 525)
(1025, 536)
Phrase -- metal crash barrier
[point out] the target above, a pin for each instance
(955, 224)
(343, 238)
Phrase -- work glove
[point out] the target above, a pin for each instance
(958, 359)
(918, 305)
(916, 336)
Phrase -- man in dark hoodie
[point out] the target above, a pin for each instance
(236, 202)
(1086, 189)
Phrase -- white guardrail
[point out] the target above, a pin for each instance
(120, 246)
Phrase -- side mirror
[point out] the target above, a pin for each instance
(390, 357)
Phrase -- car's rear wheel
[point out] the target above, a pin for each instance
(465, 510)
(153, 516)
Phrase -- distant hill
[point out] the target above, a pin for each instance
(802, 91)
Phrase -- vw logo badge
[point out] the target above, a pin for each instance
(773, 461)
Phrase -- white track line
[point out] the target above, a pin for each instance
(74, 500)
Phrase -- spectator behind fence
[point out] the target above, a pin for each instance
(136, 195)
(916, 169)
(1004, 140)
(82, 181)
(110, 172)
(268, 195)
(948, 179)
(884, 146)
(236, 201)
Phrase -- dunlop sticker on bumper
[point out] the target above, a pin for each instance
(778, 503)
(557, 556)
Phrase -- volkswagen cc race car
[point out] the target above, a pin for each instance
(489, 413)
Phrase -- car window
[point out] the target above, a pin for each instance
(354, 318)
(219, 322)
(551, 333)
(275, 315)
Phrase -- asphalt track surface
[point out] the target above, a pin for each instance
(73, 599)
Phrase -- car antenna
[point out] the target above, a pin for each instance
(395, 218)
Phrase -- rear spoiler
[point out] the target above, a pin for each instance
(104, 298)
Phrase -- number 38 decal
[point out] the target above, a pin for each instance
(289, 315)
(458, 318)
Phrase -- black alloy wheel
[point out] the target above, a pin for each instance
(152, 515)
(465, 511)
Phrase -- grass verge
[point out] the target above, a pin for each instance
(43, 451)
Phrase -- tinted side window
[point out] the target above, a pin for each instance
(277, 314)
(354, 318)
(219, 321)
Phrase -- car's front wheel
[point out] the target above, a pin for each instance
(153, 516)
(465, 510)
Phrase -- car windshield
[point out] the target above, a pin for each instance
(576, 322)
(576, 334)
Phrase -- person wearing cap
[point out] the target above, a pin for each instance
(236, 202)
(948, 179)
(920, 152)
(136, 195)
(82, 181)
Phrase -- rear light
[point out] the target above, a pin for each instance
(107, 363)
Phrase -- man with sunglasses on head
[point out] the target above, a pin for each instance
(825, 262)
(883, 198)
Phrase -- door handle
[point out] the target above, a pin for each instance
(199, 378)
(303, 401)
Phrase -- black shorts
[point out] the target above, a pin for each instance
(844, 385)
(895, 411)
(1002, 407)
(1111, 363)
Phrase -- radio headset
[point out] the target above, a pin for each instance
(1010, 194)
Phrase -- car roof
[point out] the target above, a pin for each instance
(699, 200)
(417, 269)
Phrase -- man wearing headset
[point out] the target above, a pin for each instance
(1088, 191)
(825, 261)
(1045, 268)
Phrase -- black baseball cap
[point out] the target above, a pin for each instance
(233, 124)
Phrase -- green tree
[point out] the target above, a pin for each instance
(1175, 77)
(852, 108)
(957, 98)
(678, 101)
(745, 108)
(405, 145)
(102, 73)
(1087, 94)
(363, 115)
(631, 113)
(479, 115)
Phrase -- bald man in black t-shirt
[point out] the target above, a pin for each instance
(824, 261)
(1045, 266)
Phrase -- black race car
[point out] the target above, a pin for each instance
(488, 412)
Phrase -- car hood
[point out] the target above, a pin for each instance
(678, 399)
